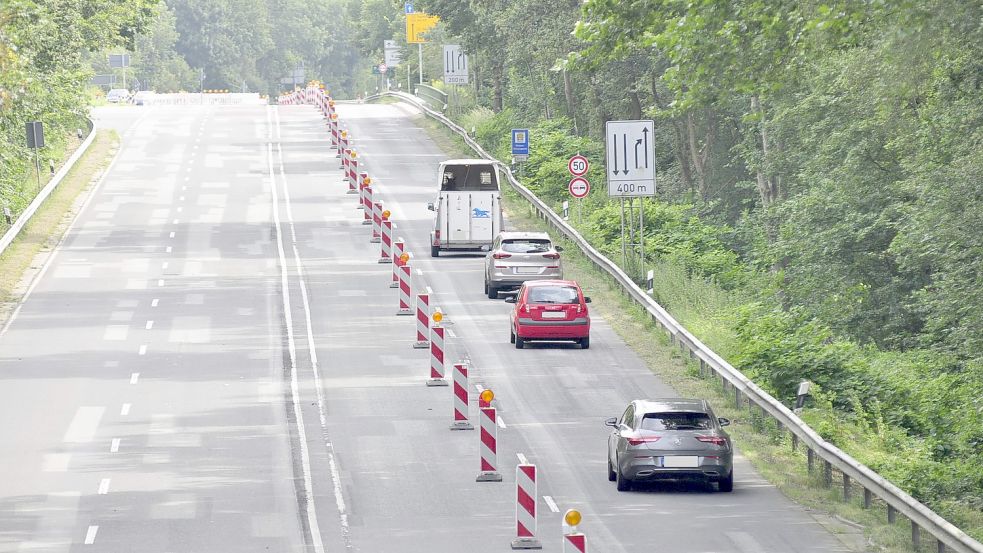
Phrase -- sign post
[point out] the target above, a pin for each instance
(630, 173)
(35, 141)
(520, 147)
(579, 187)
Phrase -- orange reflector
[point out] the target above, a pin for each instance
(437, 316)
(487, 396)
(386, 214)
(572, 517)
(404, 257)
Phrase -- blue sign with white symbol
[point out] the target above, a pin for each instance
(478, 213)
(520, 142)
(409, 7)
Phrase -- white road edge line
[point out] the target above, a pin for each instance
(315, 529)
(90, 535)
(551, 504)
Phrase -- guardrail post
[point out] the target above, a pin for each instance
(846, 488)
(941, 546)
(795, 441)
(827, 473)
(811, 459)
(868, 498)
(892, 515)
(916, 536)
(737, 397)
(703, 368)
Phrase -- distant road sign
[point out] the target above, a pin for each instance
(455, 65)
(630, 158)
(119, 60)
(383, 68)
(520, 144)
(391, 53)
(579, 187)
(417, 25)
(578, 165)
(408, 7)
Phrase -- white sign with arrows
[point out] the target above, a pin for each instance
(630, 158)
(455, 65)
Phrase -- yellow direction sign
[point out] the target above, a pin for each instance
(417, 25)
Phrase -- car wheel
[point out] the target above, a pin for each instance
(511, 336)
(434, 251)
(492, 291)
(623, 484)
(612, 476)
(727, 484)
(585, 342)
(519, 342)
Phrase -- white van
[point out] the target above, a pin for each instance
(468, 208)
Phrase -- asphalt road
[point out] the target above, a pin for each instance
(212, 362)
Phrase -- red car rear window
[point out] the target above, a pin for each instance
(553, 294)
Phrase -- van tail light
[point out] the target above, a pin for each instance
(551, 255)
(501, 255)
(436, 237)
(644, 440)
(715, 440)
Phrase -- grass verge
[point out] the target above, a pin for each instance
(43, 232)
(767, 447)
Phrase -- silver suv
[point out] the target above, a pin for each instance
(669, 439)
(516, 257)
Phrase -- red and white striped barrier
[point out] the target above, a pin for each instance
(333, 127)
(366, 199)
(525, 508)
(422, 321)
(399, 246)
(436, 357)
(376, 222)
(405, 278)
(385, 253)
(353, 171)
(345, 160)
(488, 446)
(575, 543)
(460, 377)
(342, 146)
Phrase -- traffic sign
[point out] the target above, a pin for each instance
(455, 65)
(391, 53)
(579, 187)
(578, 165)
(417, 25)
(383, 68)
(408, 7)
(520, 144)
(630, 159)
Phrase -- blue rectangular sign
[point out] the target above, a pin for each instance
(408, 7)
(520, 142)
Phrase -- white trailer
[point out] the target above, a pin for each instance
(468, 207)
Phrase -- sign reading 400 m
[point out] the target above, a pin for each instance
(630, 158)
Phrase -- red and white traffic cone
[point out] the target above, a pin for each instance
(385, 253)
(422, 321)
(405, 277)
(376, 221)
(399, 247)
(436, 357)
(525, 508)
(488, 446)
(460, 377)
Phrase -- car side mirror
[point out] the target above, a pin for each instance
(723, 421)
(586, 299)
(511, 299)
(558, 248)
(430, 206)
(612, 422)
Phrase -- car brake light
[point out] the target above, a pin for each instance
(501, 255)
(551, 255)
(645, 440)
(715, 440)
(526, 307)
(436, 237)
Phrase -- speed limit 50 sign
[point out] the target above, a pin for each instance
(578, 165)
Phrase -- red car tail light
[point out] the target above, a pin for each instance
(715, 440)
(501, 255)
(644, 440)
(551, 255)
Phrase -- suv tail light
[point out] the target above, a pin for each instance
(645, 440)
(436, 237)
(715, 440)
(501, 255)
(551, 255)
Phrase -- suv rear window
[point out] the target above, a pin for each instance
(676, 421)
(553, 294)
(526, 246)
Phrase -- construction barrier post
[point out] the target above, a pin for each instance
(460, 378)
(366, 200)
(422, 321)
(573, 541)
(405, 278)
(488, 446)
(385, 250)
(525, 508)
(399, 247)
(376, 221)
(352, 171)
(436, 357)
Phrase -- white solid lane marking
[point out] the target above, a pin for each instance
(143, 350)
(104, 486)
(155, 302)
(501, 422)
(134, 378)
(150, 324)
(125, 409)
(114, 446)
(83, 426)
(551, 504)
(90, 534)
(522, 459)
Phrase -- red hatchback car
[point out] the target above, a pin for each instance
(550, 310)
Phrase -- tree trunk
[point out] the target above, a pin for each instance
(700, 153)
(571, 101)
(769, 187)
(602, 113)
(636, 103)
(679, 136)
(498, 94)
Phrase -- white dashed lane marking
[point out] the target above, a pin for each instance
(90, 535)
(134, 378)
(104, 486)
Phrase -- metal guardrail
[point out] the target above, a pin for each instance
(26, 215)
(434, 98)
(874, 485)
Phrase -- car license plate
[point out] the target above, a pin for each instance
(554, 315)
(527, 270)
(681, 461)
